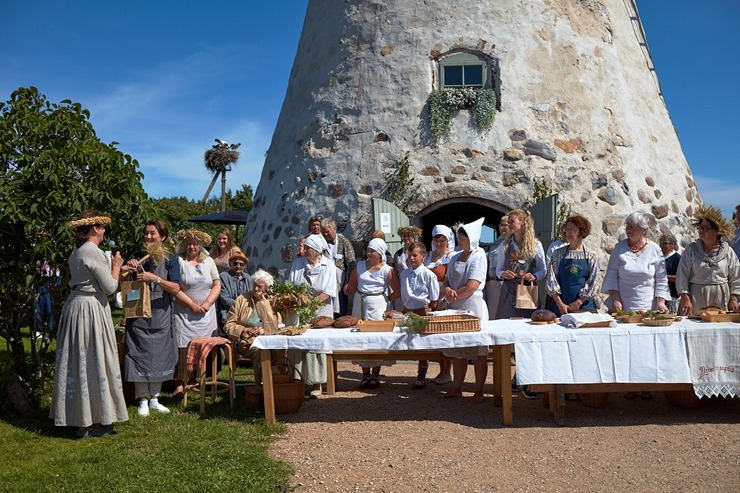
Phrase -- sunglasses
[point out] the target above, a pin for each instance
(237, 263)
(666, 243)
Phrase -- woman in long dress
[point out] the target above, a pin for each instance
(463, 289)
(151, 351)
(316, 270)
(195, 309)
(443, 249)
(636, 276)
(709, 271)
(88, 393)
(573, 276)
(520, 257)
(370, 284)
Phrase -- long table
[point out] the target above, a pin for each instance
(689, 355)
(550, 358)
(353, 344)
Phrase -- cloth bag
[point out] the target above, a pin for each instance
(526, 296)
(137, 300)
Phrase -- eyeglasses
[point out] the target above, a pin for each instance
(238, 263)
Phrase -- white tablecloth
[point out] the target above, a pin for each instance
(628, 353)
(493, 332)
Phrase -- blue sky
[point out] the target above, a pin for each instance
(165, 78)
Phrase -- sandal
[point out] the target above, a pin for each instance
(364, 384)
(419, 384)
(629, 395)
(373, 383)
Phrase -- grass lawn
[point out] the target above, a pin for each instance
(225, 451)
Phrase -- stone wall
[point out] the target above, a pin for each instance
(578, 107)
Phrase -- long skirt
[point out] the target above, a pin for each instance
(87, 381)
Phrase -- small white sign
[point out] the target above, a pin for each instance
(385, 222)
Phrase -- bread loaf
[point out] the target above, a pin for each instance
(345, 321)
(322, 322)
(543, 316)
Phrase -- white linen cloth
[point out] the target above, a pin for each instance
(575, 320)
(714, 359)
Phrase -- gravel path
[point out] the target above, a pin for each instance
(394, 439)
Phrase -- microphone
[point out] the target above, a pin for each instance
(113, 248)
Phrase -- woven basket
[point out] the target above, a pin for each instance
(289, 396)
(657, 323)
(253, 398)
(451, 323)
(594, 399)
(282, 371)
(683, 398)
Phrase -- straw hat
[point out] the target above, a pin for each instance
(409, 231)
(238, 255)
(185, 234)
(715, 217)
(89, 221)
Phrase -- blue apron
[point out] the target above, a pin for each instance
(572, 276)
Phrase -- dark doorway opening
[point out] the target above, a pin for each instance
(464, 212)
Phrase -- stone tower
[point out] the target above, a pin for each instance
(578, 106)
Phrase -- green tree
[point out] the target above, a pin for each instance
(53, 167)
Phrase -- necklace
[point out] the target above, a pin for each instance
(635, 248)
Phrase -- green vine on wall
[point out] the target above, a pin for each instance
(542, 190)
(443, 103)
(401, 188)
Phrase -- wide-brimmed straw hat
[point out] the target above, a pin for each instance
(185, 234)
(715, 217)
(89, 221)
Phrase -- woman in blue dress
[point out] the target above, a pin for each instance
(573, 276)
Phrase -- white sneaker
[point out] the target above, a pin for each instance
(143, 408)
(154, 404)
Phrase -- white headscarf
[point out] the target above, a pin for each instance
(441, 229)
(473, 230)
(317, 242)
(379, 246)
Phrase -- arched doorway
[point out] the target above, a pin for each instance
(452, 211)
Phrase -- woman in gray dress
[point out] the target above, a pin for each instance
(151, 352)
(88, 392)
(709, 271)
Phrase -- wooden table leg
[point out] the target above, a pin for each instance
(267, 389)
(331, 374)
(504, 369)
(497, 395)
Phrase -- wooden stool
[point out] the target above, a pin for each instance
(198, 350)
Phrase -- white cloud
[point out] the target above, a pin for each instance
(721, 193)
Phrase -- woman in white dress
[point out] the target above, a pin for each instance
(709, 271)
(370, 283)
(443, 249)
(195, 309)
(463, 289)
(316, 270)
(88, 393)
(636, 277)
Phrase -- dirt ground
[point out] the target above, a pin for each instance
(394, 439)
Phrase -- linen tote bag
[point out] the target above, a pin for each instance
(526, 296)
(137, 302)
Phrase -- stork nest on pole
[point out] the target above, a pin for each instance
(216, 160)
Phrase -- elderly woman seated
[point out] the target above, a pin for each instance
(252, 315)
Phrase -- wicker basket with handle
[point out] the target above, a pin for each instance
(289, 396)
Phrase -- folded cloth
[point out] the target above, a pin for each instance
(200, 347)
(714, 361)
(443, 313)
(576, 320)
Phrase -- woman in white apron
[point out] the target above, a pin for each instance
(370, 283)
(195, 309)
(463, 289)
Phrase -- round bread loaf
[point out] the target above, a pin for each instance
(543, 316)
(345, 321)
(394, 314)
(322, 322)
